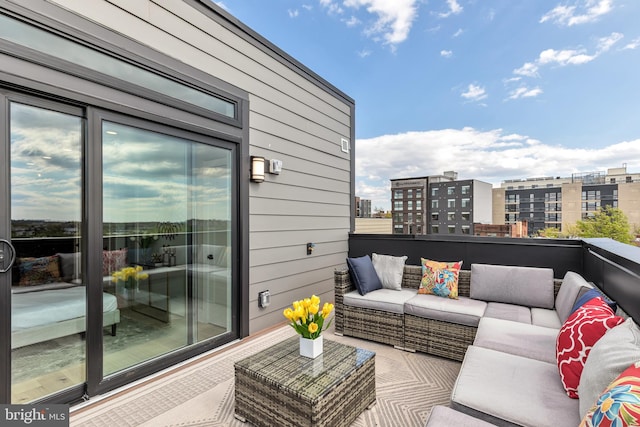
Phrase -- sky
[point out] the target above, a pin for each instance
(491, 89)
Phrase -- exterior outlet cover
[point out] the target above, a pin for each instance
(275, 166)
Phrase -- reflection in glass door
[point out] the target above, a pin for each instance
(166, 242)
(48, 305)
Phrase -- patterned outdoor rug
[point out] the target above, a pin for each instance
(408, 385)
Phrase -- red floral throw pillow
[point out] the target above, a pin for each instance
(619, 404)
(576, 337)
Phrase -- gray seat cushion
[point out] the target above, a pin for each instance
(382, 299)
(521, 339)
(510, 390)
(463, 311)
(528, 286)
(443, 416)
(573, 286)
(545, 317)
(516, 313)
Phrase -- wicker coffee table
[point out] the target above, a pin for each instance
(278, 387)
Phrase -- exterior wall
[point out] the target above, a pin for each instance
(409, 220)
(374, 226)
(498, 206)
(294, 116)
(482, 202)
(571, 204)
(629, 202)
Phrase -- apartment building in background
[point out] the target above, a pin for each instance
(363, 208)
(561, 201)
(439, 204)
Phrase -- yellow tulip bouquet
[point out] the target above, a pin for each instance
(307, 318)
(129, 275)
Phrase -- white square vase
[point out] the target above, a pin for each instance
(311, 348)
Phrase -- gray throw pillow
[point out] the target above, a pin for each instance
(609, 357)
(389, 269)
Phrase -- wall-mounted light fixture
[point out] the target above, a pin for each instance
(257, 168)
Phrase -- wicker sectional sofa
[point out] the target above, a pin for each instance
(503, 328)
(407, 329)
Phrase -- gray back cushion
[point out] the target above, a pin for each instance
(573, 285)
(528, 286)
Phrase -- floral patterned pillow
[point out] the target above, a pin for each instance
(113, 261)
(577, 336)
(38, 271)
(619, 404)
(440, 278)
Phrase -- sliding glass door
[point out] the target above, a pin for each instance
(48, 302)
(167, 236)
(158, 283)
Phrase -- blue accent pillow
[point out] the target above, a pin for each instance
(588, 296)
(363, 274)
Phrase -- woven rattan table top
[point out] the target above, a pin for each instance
(281, 365)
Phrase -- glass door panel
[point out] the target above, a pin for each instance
(48, 298)
(166, 253)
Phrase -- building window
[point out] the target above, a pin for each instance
(410, 193)
(451, 216)
(466, 203)
(612, 180)
(628, 179)
(418, 204)
(419, 229)
(434, 191)
(398, 217)
(418, 193)
(410, 218)
(397, 194)
(591, 195)
(397, 205)
(435, 229)
(466, 229)
(86, 57)
(410, 205)
(466, 189)
(418, 217)
(451, 203)
(513, 198)
(398, 229)
(434, 204)
(465, 216)
(452, 229)
(451, 191)
(435, 216)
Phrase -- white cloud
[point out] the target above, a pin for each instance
(566, 57)
(364, 53)
(293, 13)
(454, 9)
(393, 18)
(352, 22)
(332, 7)
(606, 43)
(529, 69)
(307, 7)
(634, 44)
(475, 93)
(490, 156)
(458, 33)
(525, 92)
(446, 53)
(583, 12)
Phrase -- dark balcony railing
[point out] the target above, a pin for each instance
(612, 266)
